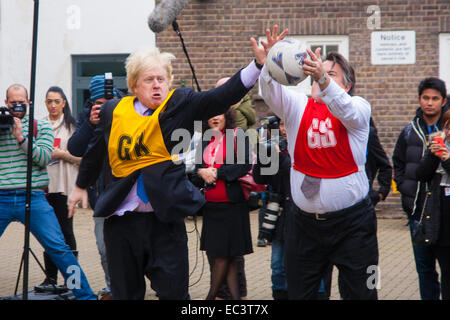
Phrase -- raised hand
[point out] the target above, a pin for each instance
(314, 67)
(272, 38)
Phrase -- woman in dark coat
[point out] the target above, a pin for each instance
(226, 222)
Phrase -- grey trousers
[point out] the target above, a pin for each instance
(98, 230)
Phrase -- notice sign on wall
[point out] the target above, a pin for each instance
(393, 47)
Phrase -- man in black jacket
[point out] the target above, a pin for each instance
(149, 195)
(78, 144)
(377, 165)
(409, 149)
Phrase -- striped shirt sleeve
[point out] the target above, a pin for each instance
(42, 144)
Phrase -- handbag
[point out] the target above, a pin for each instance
(249, 185)
(247, 182)
(418, 235)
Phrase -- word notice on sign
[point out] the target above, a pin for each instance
(393, 47)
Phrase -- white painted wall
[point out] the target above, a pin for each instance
(66, 27)
(444, 59)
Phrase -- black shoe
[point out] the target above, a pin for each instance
(261, 243)
(280, 295)
(322, 296)
(50, 287)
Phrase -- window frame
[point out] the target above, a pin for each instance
(444, 58)
(82, 82)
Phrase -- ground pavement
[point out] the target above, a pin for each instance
(397, 270)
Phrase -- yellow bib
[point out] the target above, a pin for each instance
(135, 141)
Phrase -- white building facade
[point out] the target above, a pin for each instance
(77, 39)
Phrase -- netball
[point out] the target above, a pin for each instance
(285, 60)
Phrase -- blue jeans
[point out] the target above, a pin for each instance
(45, 228)
(425, 259)
(277, 265)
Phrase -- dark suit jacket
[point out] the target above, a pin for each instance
(170, 192)
(377, 165)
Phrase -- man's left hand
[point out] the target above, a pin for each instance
(17, 130)
(314, 67)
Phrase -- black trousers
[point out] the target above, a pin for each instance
(59, 203)
(443, 258)
(138, 245)
(347, 240)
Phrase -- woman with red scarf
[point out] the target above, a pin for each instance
(226, 222)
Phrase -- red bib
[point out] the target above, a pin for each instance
(322, 148)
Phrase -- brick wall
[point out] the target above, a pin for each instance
(217, 33)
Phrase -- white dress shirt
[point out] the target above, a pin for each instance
(353, 112)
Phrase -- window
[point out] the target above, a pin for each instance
(444, 58)
(84, 67)
(328, 43)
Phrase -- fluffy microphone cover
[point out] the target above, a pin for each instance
(165, 13)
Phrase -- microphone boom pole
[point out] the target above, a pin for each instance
(176, 28)
(30, 152)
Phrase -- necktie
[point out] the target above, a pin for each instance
(142, 194)
(310, 186)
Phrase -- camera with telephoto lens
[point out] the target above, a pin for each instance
(256, 199)
(7, 118)
(109, 86)
(267, 125)
(272, 210)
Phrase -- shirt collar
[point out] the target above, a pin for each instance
(141, 109)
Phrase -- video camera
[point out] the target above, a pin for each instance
(268, 124)
(7, 118)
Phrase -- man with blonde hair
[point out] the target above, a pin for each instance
(149, 194)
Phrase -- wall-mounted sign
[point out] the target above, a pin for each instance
(393, 47)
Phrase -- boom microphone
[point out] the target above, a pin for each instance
(165, 14)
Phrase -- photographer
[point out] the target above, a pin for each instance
(100, 92)
(280, 189)
(13, 167)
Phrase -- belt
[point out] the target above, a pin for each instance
(335, 214)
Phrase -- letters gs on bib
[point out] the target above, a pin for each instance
(125, 147)
(320, 134)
